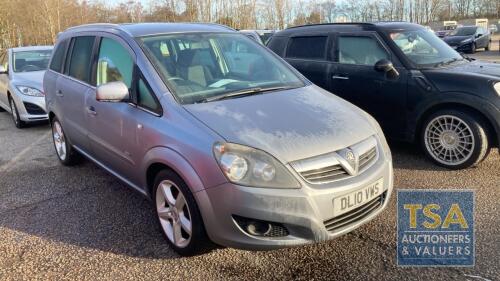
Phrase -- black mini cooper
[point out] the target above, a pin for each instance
(413, 83)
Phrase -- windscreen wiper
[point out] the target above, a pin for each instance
(446, 62)
(245, 92)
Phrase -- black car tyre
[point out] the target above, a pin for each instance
(178, 215)
(455, 139)
(15, 115)
(473, 48)
(487, 48)
(66, 154)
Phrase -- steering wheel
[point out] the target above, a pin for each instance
(30, 67)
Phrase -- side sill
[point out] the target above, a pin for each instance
(124, 180)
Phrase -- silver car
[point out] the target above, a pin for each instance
(21, 75)
(232, 145)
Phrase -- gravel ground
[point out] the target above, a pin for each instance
(79, 223)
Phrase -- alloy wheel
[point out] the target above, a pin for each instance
(13, 110)
(174, 214)
(449, 140)
(59, 140)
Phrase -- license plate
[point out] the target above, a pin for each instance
(350, 201)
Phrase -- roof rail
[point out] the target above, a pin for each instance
(214, 23)
(93, 25)
(333, 23)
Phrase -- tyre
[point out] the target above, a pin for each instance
(178, 215)
(473, 48)
(66, 154)
(15, 115)
(487, 48)
(455, 139)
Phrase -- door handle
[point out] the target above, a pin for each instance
(340, 77)
(91, 111)
(59, 93)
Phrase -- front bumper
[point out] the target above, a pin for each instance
(467, 47)
(31, 109)
(302, 211)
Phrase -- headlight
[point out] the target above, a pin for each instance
(251, 167)
(29, 91)
(497, 87)
(466, 41)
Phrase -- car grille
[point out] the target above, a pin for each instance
(367, 158)
(327, 174)
(327, 168)
(355, 215)
(33, 109)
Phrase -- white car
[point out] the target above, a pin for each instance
(21, 76)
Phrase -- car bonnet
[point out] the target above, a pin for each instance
(291, 124)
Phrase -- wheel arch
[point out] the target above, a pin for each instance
(160, 158)
(51, 116)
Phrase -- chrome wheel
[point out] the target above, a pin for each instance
(449, 140)
(59, 140)
(173, 212)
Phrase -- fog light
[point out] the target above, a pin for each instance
(258, 228)
(261, 228)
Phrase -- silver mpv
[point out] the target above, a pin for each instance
(232, 144)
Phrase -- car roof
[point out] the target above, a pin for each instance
(346, 27)
(144, 29)
(31, 48)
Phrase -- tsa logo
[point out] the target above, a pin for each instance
(435, 228)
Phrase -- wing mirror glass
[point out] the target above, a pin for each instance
(3, 70)
(386, 66)
(113, 92)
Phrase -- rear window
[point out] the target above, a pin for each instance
(311, 47)
(79, 66)
(58, 57)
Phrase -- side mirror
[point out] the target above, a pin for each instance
(385, 66)
(3, 70)
(479, 35)
(113, 92)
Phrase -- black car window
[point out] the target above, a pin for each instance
(310, 47)
(81, 57)
(362, 50)
(58, 57)
(278, 44)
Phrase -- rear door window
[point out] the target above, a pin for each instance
(310, 47)
(58, 57)
(81, 58)
(360, 50)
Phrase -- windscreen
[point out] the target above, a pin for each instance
(198, 66)
(464, 31)
(424, 48)
(26, 61)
